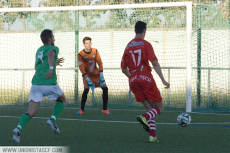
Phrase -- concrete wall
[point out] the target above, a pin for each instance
(17, 50)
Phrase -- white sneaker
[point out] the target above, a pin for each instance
(16, 135)
(53, 126)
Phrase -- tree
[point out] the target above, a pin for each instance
(66, 19)
(12, 17)
(159, 17)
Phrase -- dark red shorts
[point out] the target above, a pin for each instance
(143, 86)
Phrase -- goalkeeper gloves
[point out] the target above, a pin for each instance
(102, 79)
(90, 83)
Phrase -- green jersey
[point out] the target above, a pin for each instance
(42, 66)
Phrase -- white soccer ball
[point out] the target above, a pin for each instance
(184, 119)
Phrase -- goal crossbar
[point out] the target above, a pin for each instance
(95, 7)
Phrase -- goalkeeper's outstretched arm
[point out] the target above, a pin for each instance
(81, 65)
(99, 62)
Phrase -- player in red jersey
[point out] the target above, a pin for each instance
(135, 65)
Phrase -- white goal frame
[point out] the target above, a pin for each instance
(188, 6)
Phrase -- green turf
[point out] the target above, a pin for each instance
(114, 137)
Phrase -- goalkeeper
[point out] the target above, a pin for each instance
(92, 76)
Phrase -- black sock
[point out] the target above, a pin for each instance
(105, 98)
(84, 98)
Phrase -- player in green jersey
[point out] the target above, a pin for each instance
(44, 83)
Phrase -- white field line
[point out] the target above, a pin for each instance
(136, 110)
(208, 113)
(143, 110)
(128, 122)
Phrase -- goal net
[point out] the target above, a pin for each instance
(193, 85)
(211, 62)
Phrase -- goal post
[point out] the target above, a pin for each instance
(189, 58)
(188, 26)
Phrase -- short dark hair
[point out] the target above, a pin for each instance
(86, 38)
(139, 27)
(45, 35)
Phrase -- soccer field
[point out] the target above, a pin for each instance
(118, 133)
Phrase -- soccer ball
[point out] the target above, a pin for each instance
(184, 119)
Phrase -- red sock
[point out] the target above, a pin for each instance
(152, 113)
(152, 125)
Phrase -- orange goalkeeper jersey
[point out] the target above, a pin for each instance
(87, 63)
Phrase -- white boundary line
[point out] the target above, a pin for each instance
(209, 113)
(135, 110)
(143, 110)
(127, 122)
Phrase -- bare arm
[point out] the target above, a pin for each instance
(51, 55)
(126, 72)
(157, 68)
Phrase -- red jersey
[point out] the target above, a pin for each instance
(137, 55)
